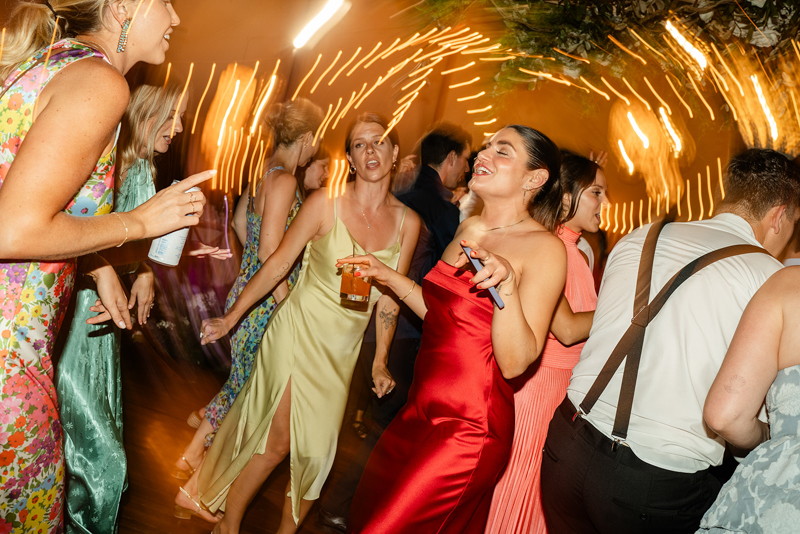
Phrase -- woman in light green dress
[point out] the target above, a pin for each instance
(88, 378)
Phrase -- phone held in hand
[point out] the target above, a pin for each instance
(492, 291)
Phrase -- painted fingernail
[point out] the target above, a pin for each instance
(121, 324)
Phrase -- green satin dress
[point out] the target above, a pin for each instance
(89, 389)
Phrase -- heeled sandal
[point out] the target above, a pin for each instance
(184, 513)
(183, 474)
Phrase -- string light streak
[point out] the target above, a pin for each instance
(334, 178)
(718, 76)
(608, 216)
(727, 69)
(303, 81)
(710, 194)
(215, 167)
(344, 110)
(773, 127)
(488, 134)
(666, 189)
(641, 207)
(236, 156)
(645, 102)
(261, 159)
(180, 101)
(639, 132)
(316, 23)
(630, 228)
(338, 72)
(658, 205)
(420, 86)
(451, 71)
(481, 110)
(202, 98)
(441, 37)
(230, 82)
(264, 99)
(625, 156)
(244, 93)
(377, 83)
(146, 11)
(689, 199)
(328, 121)
(445, 54)
(228, 112)
(471, 97)
(461, 40)
(649, 210)
(423, 37)
(663, 103)
(616, 221)
(404, 107)
(504, 58)
(615, 91)
(325, 120)
(363, 59)
(347, 108)
(166, 78)
(431, 54)
(710, 111)
(624, 218)
(325, 73)
(389, 51)
(344, 175)
(244, 160)
(462, 84)
(252, 165)
(698, 56)
(691, 115)
(481, 50)
(627, 50)
(417, 72)
(676, 141)
(700, 195)
(721, 186)
(678, 203)
(226, 158)
(794, 103)
(645, 43)
(484, 123)
(420, 81)
(411, 40)
(576, 58)
(595, 89)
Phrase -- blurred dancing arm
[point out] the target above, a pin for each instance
(570, 327)
(750, 366)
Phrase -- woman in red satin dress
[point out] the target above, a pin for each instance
(434, 468)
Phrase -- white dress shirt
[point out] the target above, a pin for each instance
(683, 347)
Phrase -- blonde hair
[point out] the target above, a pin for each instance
(32, 27)
(148, 103)
(289, 121)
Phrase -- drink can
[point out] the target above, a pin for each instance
(167, 250)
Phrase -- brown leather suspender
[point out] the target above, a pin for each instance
(629, 347)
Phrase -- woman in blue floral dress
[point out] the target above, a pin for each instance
(278, 197)
(56, 192)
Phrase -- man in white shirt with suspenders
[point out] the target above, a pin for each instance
(628, 451)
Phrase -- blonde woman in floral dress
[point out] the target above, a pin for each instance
(60, 106)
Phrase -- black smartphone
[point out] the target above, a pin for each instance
(478, 266)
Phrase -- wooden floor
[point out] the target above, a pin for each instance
(159, 393)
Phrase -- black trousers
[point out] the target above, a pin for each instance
(402, 355)
(590, 487)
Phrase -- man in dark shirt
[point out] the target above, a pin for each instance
(444, 153)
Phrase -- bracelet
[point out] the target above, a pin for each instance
(126, 229)
(413, 285)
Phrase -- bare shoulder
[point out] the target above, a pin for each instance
(318, 200)
(783, 285)
(91, 79)
(542, 247)
(279, 182)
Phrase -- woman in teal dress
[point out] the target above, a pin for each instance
(280, 191)
(88, 380)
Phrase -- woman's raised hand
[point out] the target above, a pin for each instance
(167, 211)
(204, 250)
(369, 265)
(212, 330)
(496, 269)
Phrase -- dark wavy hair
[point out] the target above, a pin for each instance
(543, 153)
(577, 174)
(759, 179)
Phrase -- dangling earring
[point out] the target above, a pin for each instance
(352, 170)
(394, 165)
(123, 37)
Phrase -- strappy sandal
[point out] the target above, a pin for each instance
(183, 474)
(195, 419)
(184, 513)
(359, 428)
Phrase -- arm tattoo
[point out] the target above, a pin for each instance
(389, 318)
(735, 384)
(282, 271)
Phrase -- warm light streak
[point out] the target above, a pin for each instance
(227, 113)
(659, 54)
(718, 74)
(297, 91)
(462, 84)
(641, 207)
(423, 37)
(418, 71)
(334, 177)
(391, 50)
(576, 58)
(216, 168)
(616, 220)
(2, 42)
(228, 165)
(710, 194)
(698, 56)
(324, 121)
(627, 50)
(344, 110)
(445, 54)
(420, 86)
(658, 205)
(666, 189)
(225, 92)
(689, 199)
(316, 23)
(338, 72)
(347, 108)
(595, 89)
(625, 156)
(672, 133)
(624, 218)
(728, 69)
(430, 54)
(710, 111)
(504, 58)
(773, 127)
(484, 123)
(691, 115)
(377, 84)
(404, 107)
(721, 187)
(468, 65)
(180, 101)
(481, 110)
(639, 132)
(273, 79)
(412, 82)
(649, 210)
(700, 195)
(205, 92)
(251, 181)
(550, 77)
(328, 121)
(338, 55)
(727, 101)
(261, 159)
(678, 203)
(615, 91)
(363, 59)
(244, 93)
(630, 213)
(663, 103)
(471, 97)
(244, 160)
(461, 40)
(481, 50)
(441, 37)
(344, 175)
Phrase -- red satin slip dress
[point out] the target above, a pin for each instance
(436, 465)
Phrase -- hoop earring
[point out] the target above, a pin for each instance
(352, 170)
(123, 37)
(394, 165)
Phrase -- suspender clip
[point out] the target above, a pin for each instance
(616, 442)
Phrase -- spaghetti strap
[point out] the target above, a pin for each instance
(403, 220)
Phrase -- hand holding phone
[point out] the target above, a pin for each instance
(478, 266)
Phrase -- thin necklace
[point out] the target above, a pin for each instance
(362, 211)
(508, 225)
